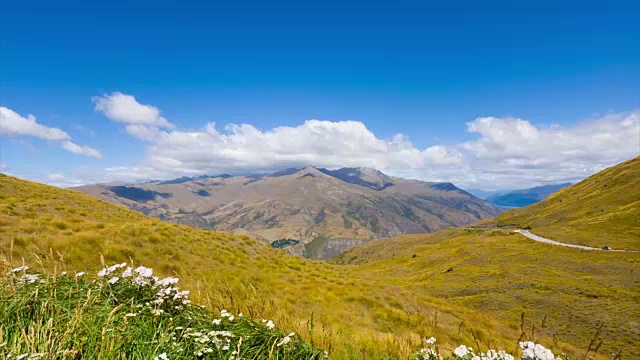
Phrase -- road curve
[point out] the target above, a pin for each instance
(553, 242)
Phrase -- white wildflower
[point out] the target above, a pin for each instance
(80, 274)
(127, 273)
(113, 280)
(462, 351)
(29, 278)
(427, 354)
(162, 356)
(285, 340)
(217, 321)
(167, 281)
(533, 351)
(157, 312)
(102, 273)
(144, 277)
(18, 269)
(269, 324)
(430, 340)
(63, 273)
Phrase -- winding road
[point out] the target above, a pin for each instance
(553, 242)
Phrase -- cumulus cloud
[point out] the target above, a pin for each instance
(143, 132)
(13, 124)
(511, 150)
(55, 177)
(81, 150)
(506, 152)
(126, 109)
(242, 148)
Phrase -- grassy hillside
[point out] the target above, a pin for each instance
(603, 209)
(381, 308)
(352, 317)
(570, 292)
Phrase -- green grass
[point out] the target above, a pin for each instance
(380, 306)
(603, 209)
(68, 317)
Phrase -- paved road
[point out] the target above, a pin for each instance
(553, 242)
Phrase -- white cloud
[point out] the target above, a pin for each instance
(512, 151)
(81, 150)
(13, 124)
(55, 177)
(442, 155)
(508, 152)
(315, 142)
(126, 109)
(143, 132)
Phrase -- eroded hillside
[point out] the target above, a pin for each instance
(325, 211)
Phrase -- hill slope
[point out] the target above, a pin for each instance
(322, 212)
(379, 309)
(524, 197)
(353, 317)
(602, 210)
(568, 292)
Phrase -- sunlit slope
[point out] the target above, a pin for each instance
(602, 210)
(568, 291)
(354, 316)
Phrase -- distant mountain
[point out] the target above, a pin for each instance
(484, 194)
(311, 211)
(524, 197)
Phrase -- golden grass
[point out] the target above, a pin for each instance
(602, 210)
(569, 291)
(381, 309)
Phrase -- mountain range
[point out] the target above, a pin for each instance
(311, 211)
(524, 197)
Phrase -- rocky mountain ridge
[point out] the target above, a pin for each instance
(327, 211)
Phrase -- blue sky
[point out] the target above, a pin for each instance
(427, 70)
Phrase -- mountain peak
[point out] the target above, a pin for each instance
(362, 176)
(285, 172)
